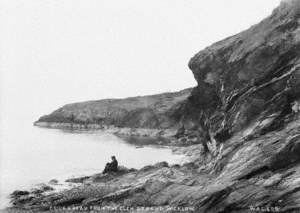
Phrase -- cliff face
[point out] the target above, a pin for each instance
(247, 100)
(251, 75)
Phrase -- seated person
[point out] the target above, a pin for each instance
(112, 166)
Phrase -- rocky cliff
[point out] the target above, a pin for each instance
(153, 111)
(246, 107)
(252, 75)
(241, 79)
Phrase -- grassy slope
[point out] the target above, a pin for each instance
(153, 111)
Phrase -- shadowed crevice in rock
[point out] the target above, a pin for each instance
(288, 155)
(255, 172)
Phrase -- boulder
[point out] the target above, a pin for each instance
(53, 182)
(18, 193)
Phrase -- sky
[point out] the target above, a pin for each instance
(54, 52)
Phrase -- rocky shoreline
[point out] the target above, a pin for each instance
(39, 197)
(138, 136)
(265, 168)
(240, 127)
(125, 131)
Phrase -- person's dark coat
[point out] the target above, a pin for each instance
(111, 167)
(114, 165)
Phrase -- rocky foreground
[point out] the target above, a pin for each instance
(263, 172)
(240, 127)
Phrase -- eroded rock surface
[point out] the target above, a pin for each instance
(247, 102)
(251, 75)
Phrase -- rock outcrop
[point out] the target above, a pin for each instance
(247, 102)
(252, 75)
(153, 112)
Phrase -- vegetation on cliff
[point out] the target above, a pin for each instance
(153, 111)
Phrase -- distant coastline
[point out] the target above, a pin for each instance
(126, 131)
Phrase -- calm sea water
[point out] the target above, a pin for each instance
(31, 155)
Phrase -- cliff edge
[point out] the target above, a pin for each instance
(153, 111)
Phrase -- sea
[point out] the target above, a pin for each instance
(32, 155)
